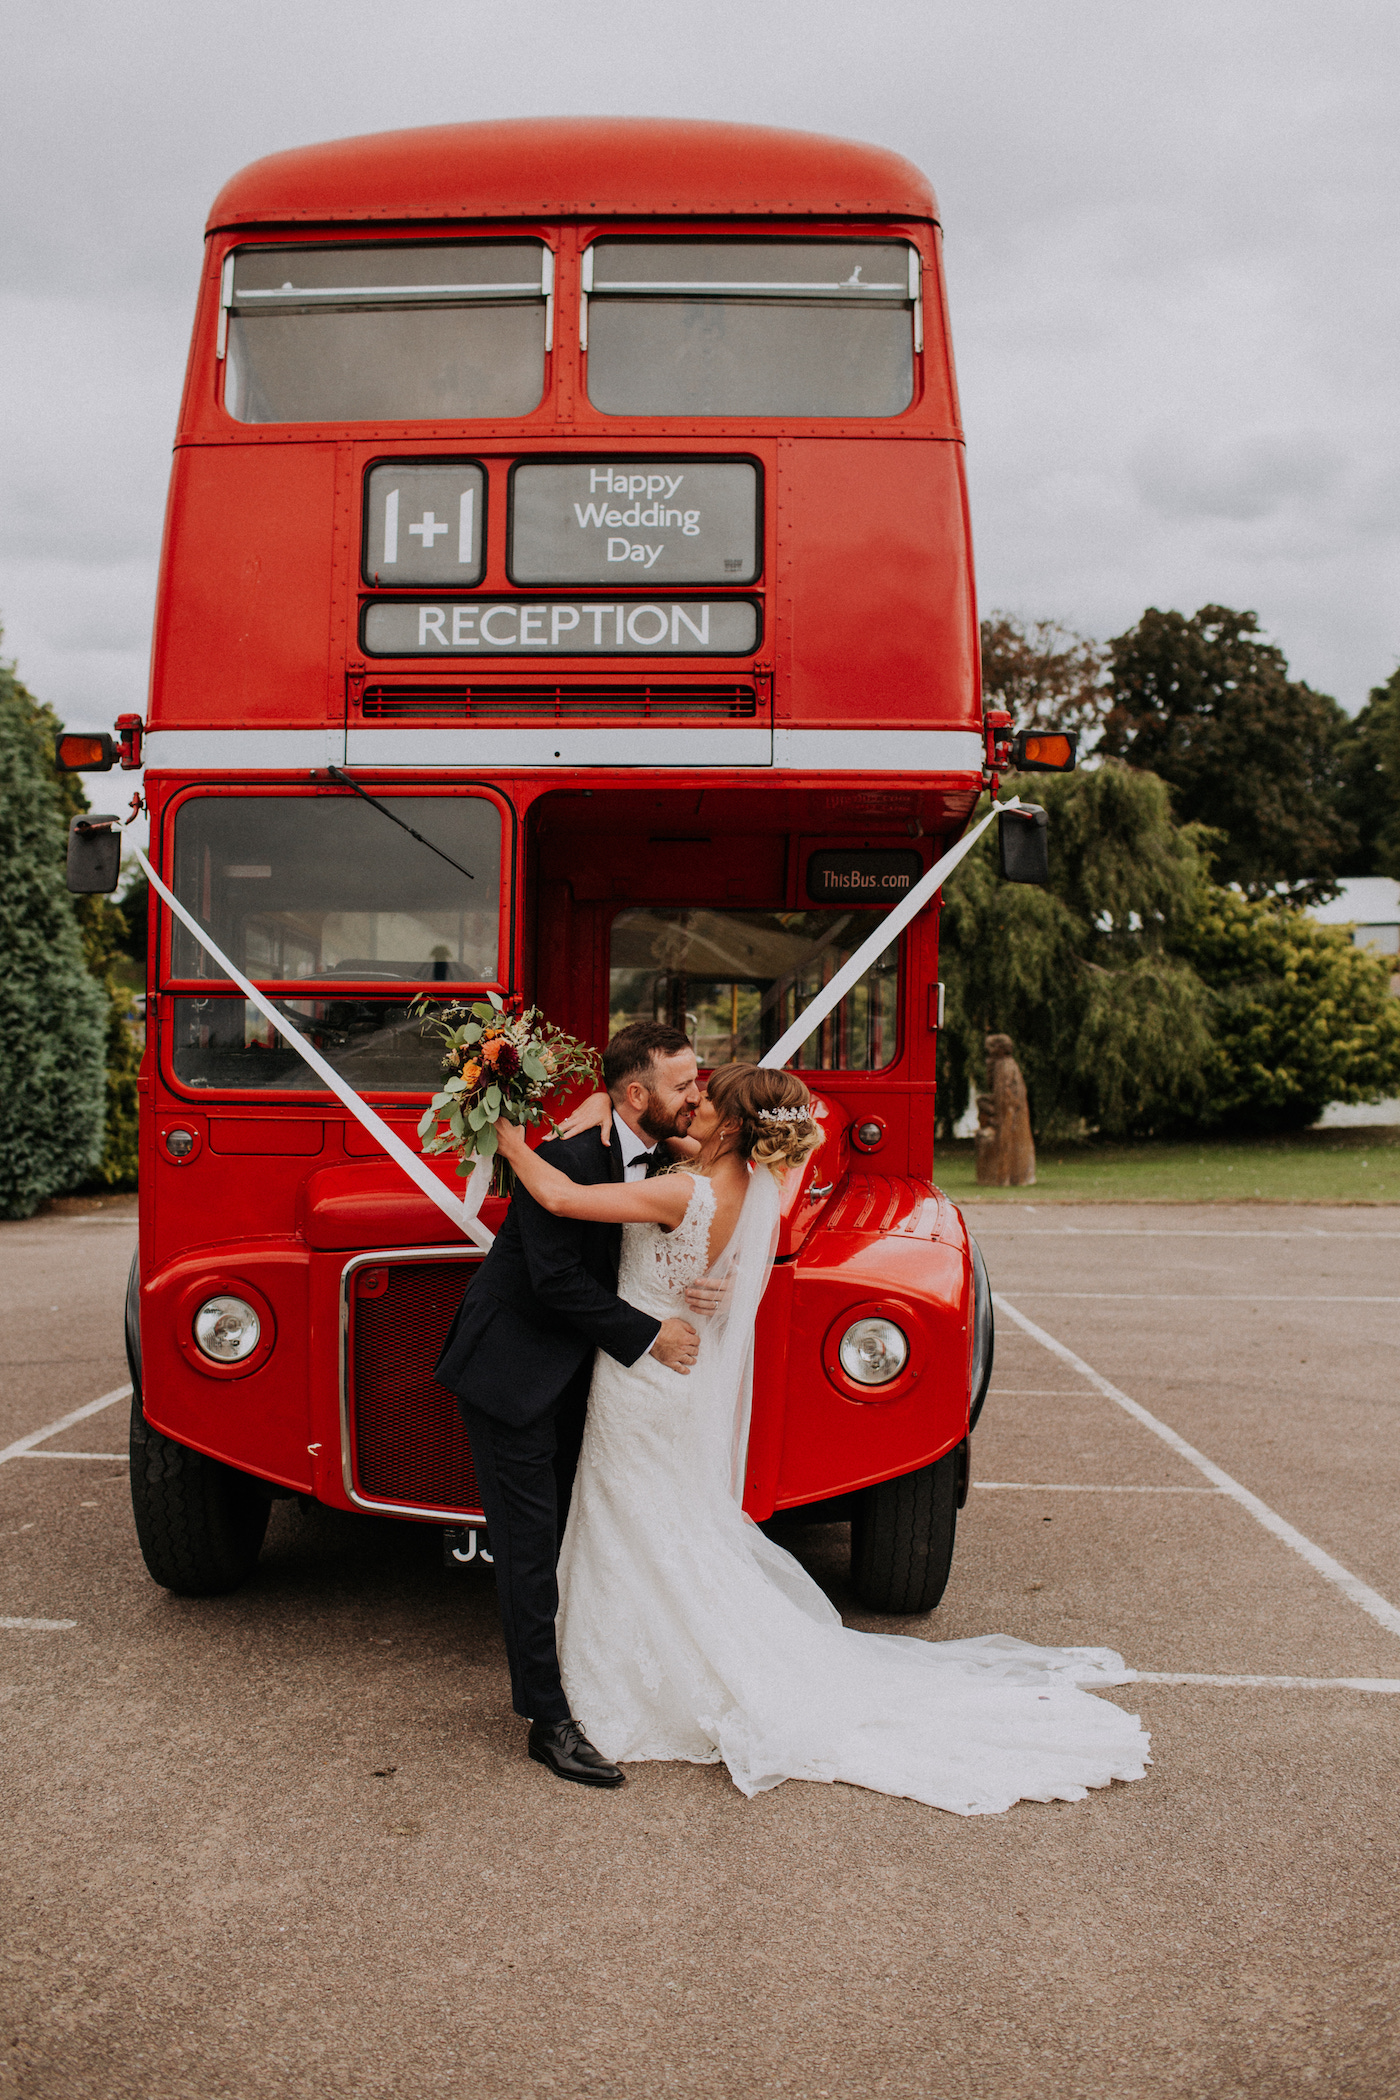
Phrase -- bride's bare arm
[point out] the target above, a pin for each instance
(661, 1201)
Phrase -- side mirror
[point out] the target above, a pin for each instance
(1023, 836)
(86, 754)
(1044, 751)
(94, 855)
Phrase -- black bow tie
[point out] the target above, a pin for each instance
(654, 1163)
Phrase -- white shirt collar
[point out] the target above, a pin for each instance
(633, 1147)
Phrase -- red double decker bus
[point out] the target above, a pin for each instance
(567, 590)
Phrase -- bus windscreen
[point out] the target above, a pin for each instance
(347, 334)
(751, 328)
(325, 887)
(734, 981)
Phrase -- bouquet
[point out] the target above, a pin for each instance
(502, 1059)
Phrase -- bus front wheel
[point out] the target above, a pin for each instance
(200, 1524)
(902, 1534)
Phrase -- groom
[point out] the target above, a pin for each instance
(519, 1358)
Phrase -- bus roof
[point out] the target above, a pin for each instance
(530, 167)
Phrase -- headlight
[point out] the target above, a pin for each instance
(873, 1351)
(226, 1329)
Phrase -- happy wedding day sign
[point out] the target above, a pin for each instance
(625, 522)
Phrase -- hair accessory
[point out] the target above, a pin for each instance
(781, 1115)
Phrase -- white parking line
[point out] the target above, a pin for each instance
(25, 1444)
(37, 1625)
(1370, 1601)
(1084, 1487)
(1167, 1232)
(1212, 1297)
(119, 1458)
(1280, 1684)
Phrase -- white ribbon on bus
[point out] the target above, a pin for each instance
(462, 1210)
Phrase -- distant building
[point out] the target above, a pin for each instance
(1371, 905)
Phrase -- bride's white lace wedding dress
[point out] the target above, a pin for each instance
(685, 1633)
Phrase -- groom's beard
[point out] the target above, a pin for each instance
(660, 1124)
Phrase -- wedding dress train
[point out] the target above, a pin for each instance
(685, 1633)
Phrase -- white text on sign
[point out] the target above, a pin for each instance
(671, 627)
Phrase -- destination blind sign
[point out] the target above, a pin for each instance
(630, 522)
(561, 627)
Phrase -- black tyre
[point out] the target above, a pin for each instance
(984, 1334)
(902, 1535)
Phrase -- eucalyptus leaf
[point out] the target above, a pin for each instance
(493, 1100)
(486, 1143)
(477, 1117)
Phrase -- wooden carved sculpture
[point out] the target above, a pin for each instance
(1005, 1148)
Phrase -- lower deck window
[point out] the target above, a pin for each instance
(734, 981)
(228, 1044)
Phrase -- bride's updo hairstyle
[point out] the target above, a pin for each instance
(777, 1128)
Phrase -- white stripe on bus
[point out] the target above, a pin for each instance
(636, 746)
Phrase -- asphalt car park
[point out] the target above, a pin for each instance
(287, 1842)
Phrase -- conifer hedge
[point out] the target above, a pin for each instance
(54, 1016)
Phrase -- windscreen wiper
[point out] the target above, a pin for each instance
(374, 803)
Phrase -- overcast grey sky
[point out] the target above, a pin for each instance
(1173, 242)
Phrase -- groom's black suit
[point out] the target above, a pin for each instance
(519, 1358)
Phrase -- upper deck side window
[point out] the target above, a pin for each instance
(446, 331)
(751, 328)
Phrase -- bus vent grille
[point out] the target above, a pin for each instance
(408, 1440)
(559, 703)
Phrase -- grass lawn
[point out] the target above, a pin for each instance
(1315, 1166)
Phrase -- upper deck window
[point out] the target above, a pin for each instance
(751, 328)
(440, 333)
(325, 887)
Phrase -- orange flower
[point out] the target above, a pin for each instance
(491, 1048)
(472, 1073)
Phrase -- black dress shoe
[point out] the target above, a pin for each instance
(563, 1746)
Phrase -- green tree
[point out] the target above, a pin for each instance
(1110, 1026)
(114, 939)
(1210, 708)
(53, 1016)
(1370, 770)
(1044, 674)
(1299, 1017)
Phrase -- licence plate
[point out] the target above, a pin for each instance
(462, 1544)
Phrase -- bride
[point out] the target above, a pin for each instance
(684, 1632)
